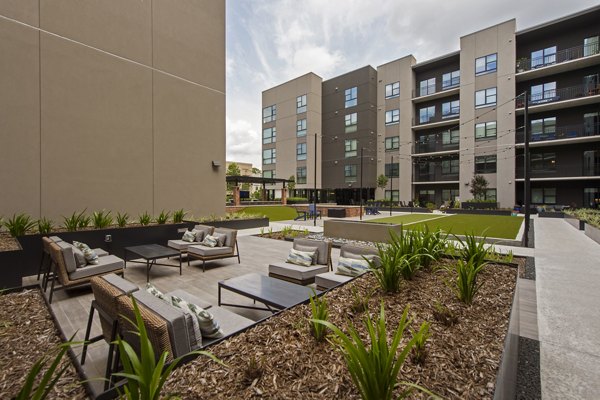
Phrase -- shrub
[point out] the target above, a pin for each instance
(387, 273)
(318, 306)
(145, 218)
(19, 225)
(102, 219)
(297, 200)
(122, 219)
(45, 226)
(178, 215)
(419, 353)
(464, 283)
(430, 206)
(163, 217)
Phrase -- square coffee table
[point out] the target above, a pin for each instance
(151, 253)
(275, 294)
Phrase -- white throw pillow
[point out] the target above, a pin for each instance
(351, 266)
(302, 258)
(189, 236)
(210, 241)
(208, 325)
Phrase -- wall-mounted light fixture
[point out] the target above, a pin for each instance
(216, 164)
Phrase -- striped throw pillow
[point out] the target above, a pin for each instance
(90, 255)
(189, 236)
(208, 325)
(351, 266)
(150, 288)
(210, 241)
(302, 258)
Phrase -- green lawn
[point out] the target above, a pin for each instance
(496, 226)
(274, 213)
(404, 219)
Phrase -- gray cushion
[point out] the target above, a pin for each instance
(205, 229)
(230, 322)
(209, 251)
(297, 272)
(55, 239)
(123, 285)
(222, 238)
(180, 244)
(68, 255)
(356, 252)
(100, 252)
(105, 264)
(190, 298)
(323, 246)
(228, 236)
(79, 257)
(331, 279)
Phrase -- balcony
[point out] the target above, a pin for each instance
(560, 98)
(564, 134)
(432, 92)
(434, 178)
(435, 146)
(562, 61)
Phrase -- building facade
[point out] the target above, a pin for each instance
(112, 105)
(442, 121)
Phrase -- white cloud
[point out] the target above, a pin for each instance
(241, 142)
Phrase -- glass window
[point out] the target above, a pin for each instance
(351, 122)
(427, 86)
(392, 117)
(543, 129)
(543, 195)
(301, 127)
(350, 146)
(450, 80)
(301, 175)
(269, 156)
(485, 130)
(301, 151)
(426, 114)
(591, 163)
(392, 170)
(486, 64)
(451, 137)
(490, 194)
(543, 93)
(393, 195)
(301, 104)
(269, 114)
(591, 123)
(541, 162)
(449, 194)
(485, 98)
(590, 46)
(269, 135)
(485, 164)
(350, 173)
(591, 197)
(351, 96)
(392, 143)
(450, 167)
(269, 174)
(450, 109)
(392, 90)
(547, 56)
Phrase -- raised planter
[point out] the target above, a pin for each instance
(359, 230)
(576, 223)
(593, 233)
(478, 205)
(478, 212)
(551, 214)
(236, 223)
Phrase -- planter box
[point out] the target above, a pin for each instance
(357, 230)
(478, 212)
(551, 214)
(576, 223)
(592, 232)
(236, 223)
(478, 205)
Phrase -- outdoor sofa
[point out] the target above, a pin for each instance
(182, 245)
(304, 275)
(227, 248)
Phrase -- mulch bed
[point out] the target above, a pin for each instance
(462, 360)
(8, 243)
(27, 332)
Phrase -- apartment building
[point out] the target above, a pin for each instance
(440, 122)
(112, 105)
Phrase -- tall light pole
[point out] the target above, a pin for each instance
(526, 180)
(315, 186)
(391, 184)
(361, 181)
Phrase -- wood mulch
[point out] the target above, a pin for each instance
(27, 333)
(462, 360)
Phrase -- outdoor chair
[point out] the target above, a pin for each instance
(300, 274)
(46, 262)
(313, 211)
(330, 279)
(182, 245)
(69, 273)
(301, 215)
(227, 250)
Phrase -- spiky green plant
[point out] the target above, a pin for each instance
(102, 219)
(473, 248)
(122, 219)
(45, 226)
(443, 314)
(419, 352)
(163, 217)
(387, 271)
(374, 369)
(464, 280)
(318, 306)
(71, 223)
(84, 221)
(145, 218)
(19, 224)
(178, 215)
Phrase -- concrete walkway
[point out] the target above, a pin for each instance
(568, 304)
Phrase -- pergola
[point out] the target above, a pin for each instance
(237, 179)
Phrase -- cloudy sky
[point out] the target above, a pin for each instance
(272, 41)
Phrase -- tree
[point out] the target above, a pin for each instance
(382, 181)
(479, 186)
(233, 170)
(291, 184)
(256, 171)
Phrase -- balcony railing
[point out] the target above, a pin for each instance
(434, 177)
(572, 53)
(554, 95)
(563, 132)
(436, 88)
(432, 146)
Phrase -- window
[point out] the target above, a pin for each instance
(392, 170)
(269, 114)
(547, 56)
(392, 143)
(426, 114)
(543, 93)
(487, 64)
(543, 129)
(301, 151)
(301, 127)
(269, 174)
(351, 97)
(392, 90)
(591, 163)
(450, 167)
(485, 164)
(590, 46)
(543, 195)
(393, 195)
(392, 117)
(301, 104)
(485, 130)
(426, 196)
(542, 162)
(269, 135)
(490, 194)
(449, 194)
(450, 80)
(450, 109)
(350, 173)
(591, 123)
(350, 146)
(301, 175)
(485, 98)
(451, 137)
(590, 84)
(269, 156)
(351, 122)
(427, 87)
(590, 197)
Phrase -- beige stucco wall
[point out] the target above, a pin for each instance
(111, 105)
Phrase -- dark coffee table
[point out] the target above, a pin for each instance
(151, 253)
(275, 294)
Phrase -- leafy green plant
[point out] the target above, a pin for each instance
(318, 306)
(71, 223)
(286, 230)
(464, 282)
(163, 217)
(84, 221)
(145, 374)
(374, 370)
(178, 215)
(145, 218)
(122, 219)
(419, 352)
(387, 271)
(360, 303)
(262, 231)
(19, 224)
(102, 219)
(444, 315)
(473, 248)
(48, 380)
(44, 226)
